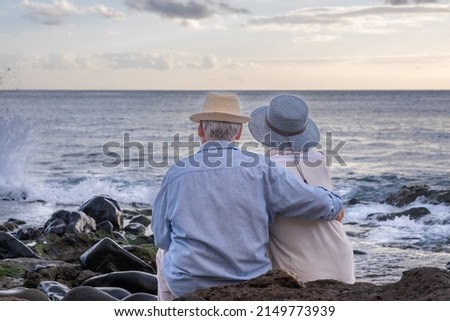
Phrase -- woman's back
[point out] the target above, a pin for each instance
(312, 250)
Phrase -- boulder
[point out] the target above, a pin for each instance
(63, 222)
(414, 213)
(103, 208)
(55, 291)
(24, 293)
(135, 228)
(108, 256)
(407, 195)
(87, 293)
(11, 247)
(132, 281)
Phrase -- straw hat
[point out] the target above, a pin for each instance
(284, 123)
(221, 107)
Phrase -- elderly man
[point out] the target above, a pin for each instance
(212, 214)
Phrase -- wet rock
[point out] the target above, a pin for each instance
(105, 226)
(11, 247)
(24, 293)
(63, 222)
(135, 228)
(414, 213)
(29, 233)
(55, 291)
(132, 281)
(87, 293)
(142, 219)
(407, 195)
(440, 196)
(115, 292)
(141, 297)
(103, 208)
(108, 256)
(17, 221)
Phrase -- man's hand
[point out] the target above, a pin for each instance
(340, 216)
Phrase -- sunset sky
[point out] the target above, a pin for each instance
(225, 44)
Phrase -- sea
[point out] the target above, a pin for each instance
(60, 148)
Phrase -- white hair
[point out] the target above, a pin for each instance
(219, 130)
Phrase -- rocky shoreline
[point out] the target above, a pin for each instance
(104, 253)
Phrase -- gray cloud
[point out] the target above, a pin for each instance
(132, 60)
(55, 13)
(194, 10)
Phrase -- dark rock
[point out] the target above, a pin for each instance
(11, 247)
(108, 256)
(63, 222)
(103, 208)
(135, 228)
(141, 297)
(24, 293)
(29, 233)
(417, 284)
(10, 226)
(358, 252)
(87, 293)
(407, 195)
(55, 291)
(105, 226)
(17, 221)
(144, 220)
(414, 213)
(440, 196)
(354, 201)
(133, 281)
(115, 292)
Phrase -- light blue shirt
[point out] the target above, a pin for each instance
(213, 212)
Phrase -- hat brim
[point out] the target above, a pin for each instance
(266, 136)
(217, 116)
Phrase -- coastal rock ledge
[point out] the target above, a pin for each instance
(420, 284)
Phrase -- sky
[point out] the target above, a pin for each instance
(225, 44)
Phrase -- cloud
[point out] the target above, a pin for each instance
(55, 13)
(146, 60)
(190, 10)
(406, 2)
(361, 19)
(63, 61)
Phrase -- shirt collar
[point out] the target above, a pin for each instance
(218, 144)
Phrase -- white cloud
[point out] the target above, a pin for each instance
(378, 19)
(55, 13)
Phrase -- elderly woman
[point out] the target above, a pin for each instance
(312, 250)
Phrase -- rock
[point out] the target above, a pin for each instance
(440, 196)
(135, 228)
(87, 293)
(115, 292)
(105, 226)
(55, 291)
(11, 247)
(144, 220)
(132, 281)
(414, 213)
(417, 284)
(103, 208)
(141, 297)
(108, 256)
(29, 233)
(17, 221)
(24, 293)
(407, 195)
(63, 222)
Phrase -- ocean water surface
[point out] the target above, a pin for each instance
(59, 148)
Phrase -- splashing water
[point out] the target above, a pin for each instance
(15, 135)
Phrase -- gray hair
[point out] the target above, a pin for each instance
(219, 130)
